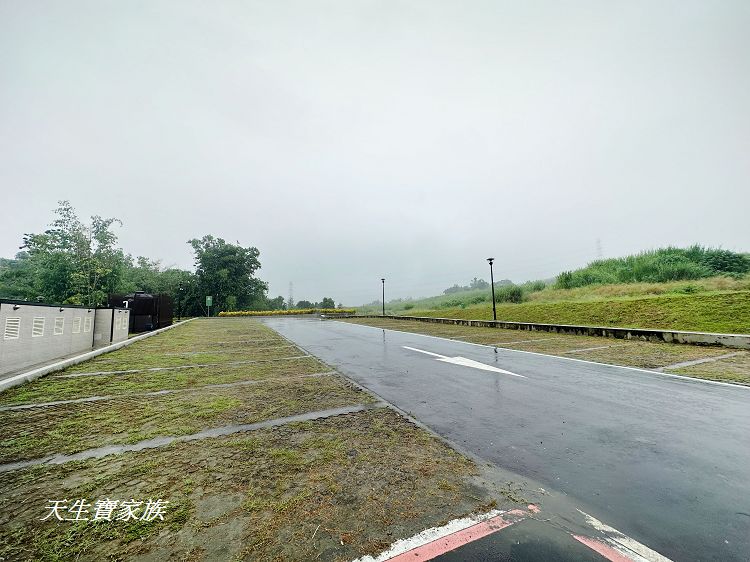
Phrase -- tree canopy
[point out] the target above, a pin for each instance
(227, 272)
(77, 262)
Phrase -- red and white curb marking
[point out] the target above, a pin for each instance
(431, 543)
(616, 546)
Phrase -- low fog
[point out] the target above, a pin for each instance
(351, 141)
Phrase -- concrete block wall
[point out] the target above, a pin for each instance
(120, 322)
(33, 334)
(111, 326)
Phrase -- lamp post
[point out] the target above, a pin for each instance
(383, 280)
(492, 284)
(180, 288)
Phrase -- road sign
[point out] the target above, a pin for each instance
(209, 301)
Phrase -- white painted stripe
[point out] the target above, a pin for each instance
(511, 350)
(700, 361)
(220, 351)
(502, 343)
(429, 535)
(582, 349)
(177, 367)
(623, 544)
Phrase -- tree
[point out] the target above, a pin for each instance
(277, 304)
(305, 304)
(478, 284)
(226, 272)
(454, 289)
(75, 263)
(327, 303)
(148, 275)
(17, 278)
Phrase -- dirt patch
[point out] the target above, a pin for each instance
(331, 489)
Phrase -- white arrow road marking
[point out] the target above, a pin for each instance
(463, 361)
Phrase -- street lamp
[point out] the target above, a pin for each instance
(492, 284)
(383, 280)
(180, 289)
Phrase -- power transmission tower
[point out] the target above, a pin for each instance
(599, 251)
(290, 305)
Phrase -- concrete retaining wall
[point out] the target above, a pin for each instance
(735, 341)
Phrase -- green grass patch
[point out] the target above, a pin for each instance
(722, 312)
(74, 427)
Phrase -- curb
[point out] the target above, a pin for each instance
(734, 341)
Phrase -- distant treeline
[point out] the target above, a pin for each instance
(658, 266)
(77, 262)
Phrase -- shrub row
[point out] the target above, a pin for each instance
(658, 266)
(288, 312)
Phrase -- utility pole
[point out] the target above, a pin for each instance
(383, 280)
(492, 284)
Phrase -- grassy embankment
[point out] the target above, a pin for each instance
(696, 288)
(715, 312)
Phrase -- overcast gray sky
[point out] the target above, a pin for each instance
(353, 140)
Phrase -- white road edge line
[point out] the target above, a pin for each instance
(509, 349)
(623, 544)
(429, 535)
(464, 362)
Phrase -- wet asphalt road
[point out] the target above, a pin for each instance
(665, 460)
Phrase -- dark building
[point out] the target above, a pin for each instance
(147, 312)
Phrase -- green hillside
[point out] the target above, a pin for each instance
(713, 312)
(695, 288)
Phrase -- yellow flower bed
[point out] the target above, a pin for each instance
(288, 312)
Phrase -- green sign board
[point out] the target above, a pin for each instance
(209, 300)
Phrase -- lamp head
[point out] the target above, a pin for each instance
(490, 260)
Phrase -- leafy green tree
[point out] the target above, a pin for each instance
(277, 304)
(327, 303)
(17, 278)
(305, 304)
(148, 275)
(227, 272)
(75, 263)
